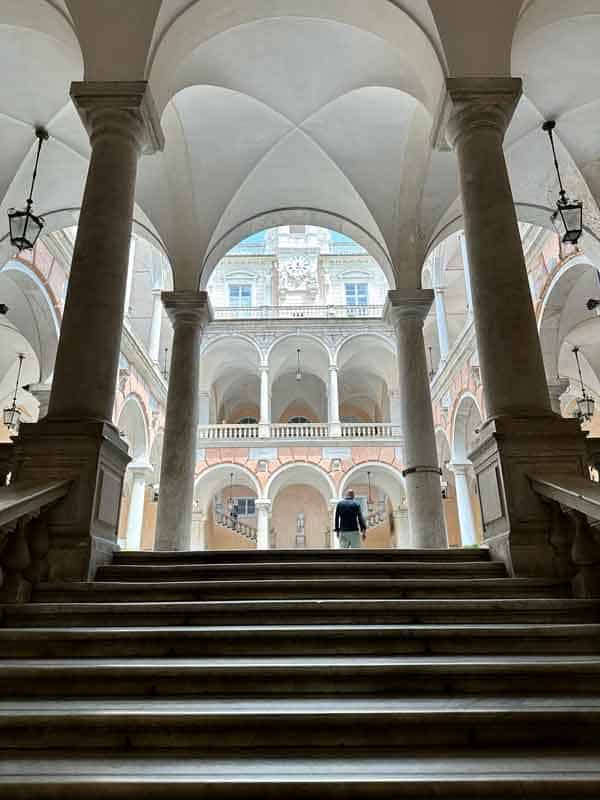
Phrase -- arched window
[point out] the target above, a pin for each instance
(298, 421)
(248, 421)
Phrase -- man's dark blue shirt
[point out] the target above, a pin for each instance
(348, 516)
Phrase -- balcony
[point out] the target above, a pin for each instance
(297, 312)
(382, 433)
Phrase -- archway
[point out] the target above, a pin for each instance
(136, 527)
(225, 508)
(385, 514)
(301, 496)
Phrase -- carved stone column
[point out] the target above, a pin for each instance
(466, 518)
(140, 475)
(521, 435)
(77, 439)
(263, 516)
(335, 427)
(406, 310)
(189, 312)
(401, 528)
(264, 426)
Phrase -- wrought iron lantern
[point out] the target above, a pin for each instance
(298, 370)
(12, 415)
(24, 226)
(585, 403)
(569, 213)
(369, 498)
(230, 503)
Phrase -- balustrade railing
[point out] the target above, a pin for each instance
(574, 529)
(235, 432)
(234, 524)
(298, 431)
(375, 518)
(308, 430)
(24, 539)
(367, 430)
(297, 312)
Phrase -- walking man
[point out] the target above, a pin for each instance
(349, 522)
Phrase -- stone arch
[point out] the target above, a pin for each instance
(296, 216)
(134, 424)
(217, 477)
(300, 472)
(385, 476)
(554, 308)
(462, 422)
(32, 312)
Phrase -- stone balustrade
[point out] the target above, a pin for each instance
(306, 431)
(297, 312)
(24, 536)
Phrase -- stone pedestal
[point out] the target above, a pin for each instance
(83, 527)
(516, 522)
(401, 528)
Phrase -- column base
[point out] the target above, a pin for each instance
(516, 522)
(83, 527)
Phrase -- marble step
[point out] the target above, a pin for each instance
(312, 640)
(278, 556)
(323, 588)
(337, 676)
(150, 725)
(534, 774)
(304, 569)
(305, 612)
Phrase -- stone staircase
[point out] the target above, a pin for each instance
(312, 674)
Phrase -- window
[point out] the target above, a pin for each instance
(248, 421)
(246, 506)
(298, 421)
(357, 294)
(240, 295)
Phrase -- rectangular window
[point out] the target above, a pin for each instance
(357, 294)
(240, 295)
(246, 506)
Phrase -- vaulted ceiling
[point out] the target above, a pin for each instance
(314, 111)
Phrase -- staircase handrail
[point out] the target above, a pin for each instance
(227, 521)
(24, 539)
(574, 531)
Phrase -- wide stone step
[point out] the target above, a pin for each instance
(305, 612)
(408, 775)
(450, 588)
(336, 676)
(278, 556)
(305, 569)
(317, 640)
(150, 725)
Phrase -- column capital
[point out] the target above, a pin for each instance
(408, 304)
(140, 470)
(263, 504)
(187, 308)
(475, 102)
(460, 468)
(131, 100)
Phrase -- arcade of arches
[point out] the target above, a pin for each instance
(279, 284)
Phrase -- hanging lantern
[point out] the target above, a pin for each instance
(585, 403)
(298, 370)
(569, 213)
(369, 498)
(24, 226)
(230, 503)
(12, 415)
